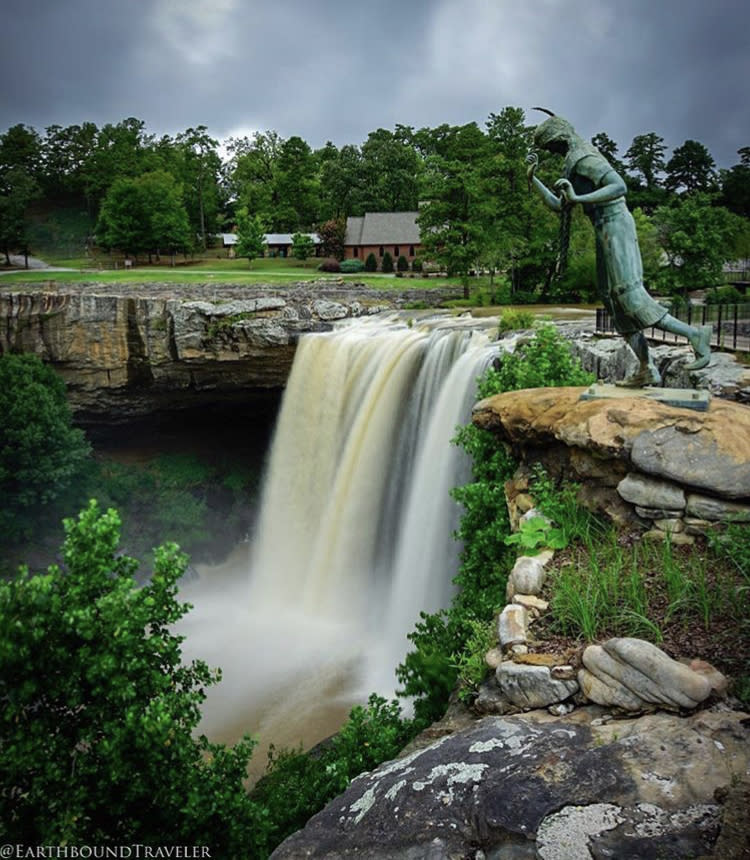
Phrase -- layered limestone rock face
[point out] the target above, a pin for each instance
(666, 468)
(126, 350)
(543, 787)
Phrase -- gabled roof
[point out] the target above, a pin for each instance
(383, 228)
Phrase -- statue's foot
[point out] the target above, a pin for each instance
(701, 345)
(646, 376)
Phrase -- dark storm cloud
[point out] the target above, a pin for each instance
(336, 70)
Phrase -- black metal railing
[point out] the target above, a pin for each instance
(730, 324)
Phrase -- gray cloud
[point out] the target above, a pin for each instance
(334, 70)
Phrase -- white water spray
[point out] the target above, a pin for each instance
(354, 536)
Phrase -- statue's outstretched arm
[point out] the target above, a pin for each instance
(550, 198)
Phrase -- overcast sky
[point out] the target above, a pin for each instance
(338, 69)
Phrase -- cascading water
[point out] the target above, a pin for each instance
(354, 536)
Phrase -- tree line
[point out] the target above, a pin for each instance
(144, 194)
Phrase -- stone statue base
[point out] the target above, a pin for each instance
(685, 398)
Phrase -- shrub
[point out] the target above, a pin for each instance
(349, 267)
(387, 263)
(99, 710)
(296, 784)
(515, 320)
(727, 295)
(371, 263)
(416, 265)
(402, 264)
(329, 265)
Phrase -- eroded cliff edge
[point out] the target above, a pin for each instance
(126, 350)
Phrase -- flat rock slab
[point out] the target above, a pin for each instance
(683, 398)
(707, 451)
(533, 785)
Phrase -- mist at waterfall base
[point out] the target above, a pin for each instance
(355, 531)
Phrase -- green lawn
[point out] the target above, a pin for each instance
(214, 267)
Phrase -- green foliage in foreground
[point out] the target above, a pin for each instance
(96, 732)
(298, 784)
(442, 642)
(41, 453)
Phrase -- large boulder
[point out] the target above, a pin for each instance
(707, 451)
(535, 786)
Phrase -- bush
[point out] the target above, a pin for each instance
(96, 728)
(329, 265)
(402, 264)
(371, 263)
(727, 295)
(349, 267)
(514, 320)
(416, 265)
(387, 263)
(296, 784)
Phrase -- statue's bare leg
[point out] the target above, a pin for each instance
(700, 339)
(647, 373)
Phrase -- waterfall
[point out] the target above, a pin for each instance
(357, 520)
(354, 536)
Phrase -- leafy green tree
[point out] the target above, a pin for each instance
(302, 246)
(144, 214)
(251, 237)
(697, 238)
(199, 176)
(251, 172)
(66, 152)
(645, 157)
(452, 221)
(332, 237)
(608, 148)
(386, 264)
(164, 212)
(121, 221)
(41, 453)
(341, 182)
(735, 185)
(371, 263)
(645, 161)
(390, 170)
(691, 168)
(520, 234)
(21, 146)
(648, 242)
(17, 190)
(119, 151)
(296, 187)
(96, 731)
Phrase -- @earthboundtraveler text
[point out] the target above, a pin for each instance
(89, 852)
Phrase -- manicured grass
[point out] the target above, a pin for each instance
(214, 268)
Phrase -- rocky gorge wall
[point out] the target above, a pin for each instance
(126, 351)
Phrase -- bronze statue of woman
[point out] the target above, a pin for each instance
(592, 181)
